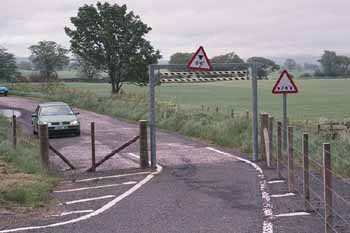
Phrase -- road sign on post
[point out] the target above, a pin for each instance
(199, 61)
(285, 85)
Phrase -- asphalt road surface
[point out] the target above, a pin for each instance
(199, 189)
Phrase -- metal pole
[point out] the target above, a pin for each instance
(327, 187)
(152, 116)
(93, 149)
(252, 72)
(285, 122)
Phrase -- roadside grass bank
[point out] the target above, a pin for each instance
(24, 184)
(215, 127)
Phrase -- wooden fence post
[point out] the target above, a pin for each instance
(327, 187)
(14, 132)
(318, 129)
(93, 148)
(264, 118)
(232, 114)
(270, 130)
(247, 115)
(143, 145)
(306, 186)
(217, 109)
(44, 145)
(279, 148)
(291, 178)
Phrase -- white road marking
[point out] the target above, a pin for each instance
(292, 214)
(72, 212)
(87, 200)
(94, 187)
(111, 177)
(133, 155)
(276, 181)
(96, 212)
(283, 195)
(267, 205)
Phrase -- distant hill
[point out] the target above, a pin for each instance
(300, 59)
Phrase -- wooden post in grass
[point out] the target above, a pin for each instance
(217, 109)
(318, 129)
(291, 178)
(247, 115)
(306, 186)
(44, 145)
(232, 114)
(143, 145)
(270, 131)
(93, 148)
(264, 121)
(327, 187)
(279, 148)
(14, 132)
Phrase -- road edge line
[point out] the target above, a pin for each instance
(267, 205)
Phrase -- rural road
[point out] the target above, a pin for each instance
(200, 189)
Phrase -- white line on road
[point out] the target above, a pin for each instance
(283, 195)
(292, 214)
(111, 177)
(96, 212)
(276, 181)
(87, 200)
(267, 205)
(94, 187)
(72, 212)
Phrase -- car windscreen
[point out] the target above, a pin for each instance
(56, 110)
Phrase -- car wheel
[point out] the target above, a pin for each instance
(78, 133)
(6, 94)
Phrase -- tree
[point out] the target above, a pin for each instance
(180, 58)
(290, 64)
(329, 63)
(266, 66)
(8, 68)
(48, 57)
(228, 58)
(113, 40)
(87, 70)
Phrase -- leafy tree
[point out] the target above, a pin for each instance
(290, 64)
(113, 40)
(48, 57)
(180, 58)
(329, 63)
(266, 66)
(227, 58)
(8, 68)
(87, 70)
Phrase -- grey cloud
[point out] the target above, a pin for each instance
(250, 27)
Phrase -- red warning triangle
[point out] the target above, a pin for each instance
(199, 61)
(284, 84)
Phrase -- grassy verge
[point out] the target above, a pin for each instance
(23, 182)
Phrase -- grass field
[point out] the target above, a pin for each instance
(317, 98)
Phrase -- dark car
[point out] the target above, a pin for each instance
(59, 118)
(4, 90)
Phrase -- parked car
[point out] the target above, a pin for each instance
(4, 90)
(59, 118)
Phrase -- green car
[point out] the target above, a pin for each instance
(59, 118)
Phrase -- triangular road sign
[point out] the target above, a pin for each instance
(284, 84)
(199, 61)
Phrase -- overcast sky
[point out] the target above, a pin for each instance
(247, 27)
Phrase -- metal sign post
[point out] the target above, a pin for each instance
(285, 85)
(238, 69)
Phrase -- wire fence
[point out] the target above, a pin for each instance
(326, 183)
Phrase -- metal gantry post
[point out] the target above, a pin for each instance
(152, 116)
(252, 72)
